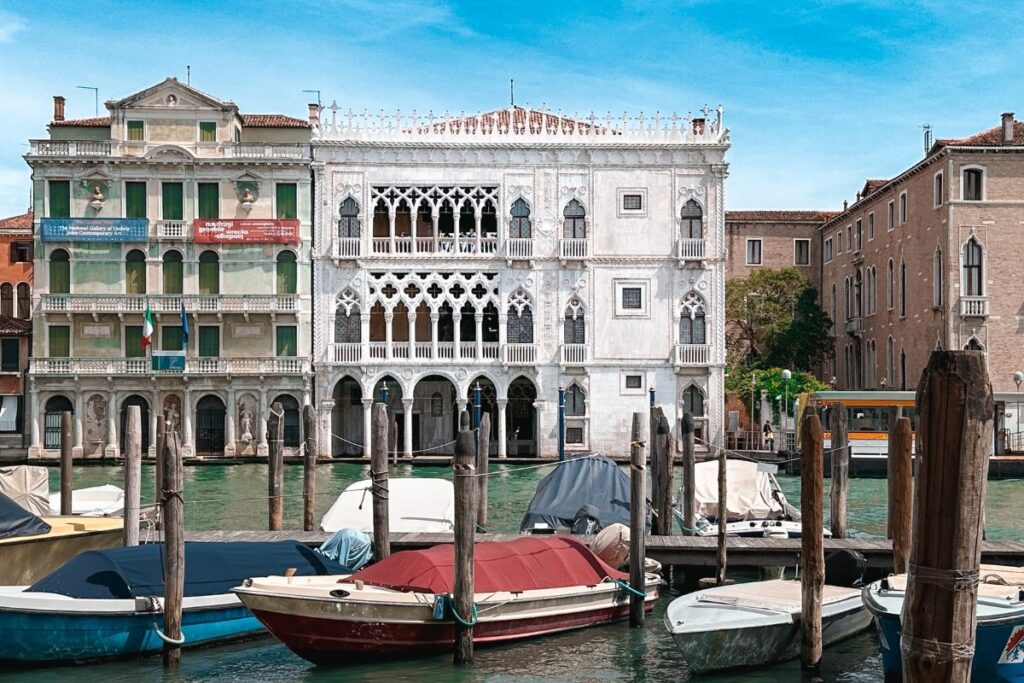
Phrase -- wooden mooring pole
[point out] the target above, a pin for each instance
(309, 424)
(723, 516)
(839, 421)
(379, 482)
(174, 549)
(132, 476)
(689, 472)
(483, 467)
(637, 520)
(661, 472)
(275, 468)
(465, 527)
(954, 401)
(66, 443)
(901, 493)
(812, 553)
(158, 467)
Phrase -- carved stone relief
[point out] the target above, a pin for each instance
(172, 413)
(248, 414)
(95, 425)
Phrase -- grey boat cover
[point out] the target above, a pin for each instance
(16, 521)
(584, 480)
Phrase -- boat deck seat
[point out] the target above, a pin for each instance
(996, 581)
(778, 594)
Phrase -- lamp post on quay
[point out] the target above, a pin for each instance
(786, 376)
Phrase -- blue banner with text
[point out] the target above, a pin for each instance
(94, 229)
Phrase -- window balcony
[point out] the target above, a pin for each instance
(403, 352)
(441, 246)
(227, 150)
(693, 355)
(194, 365)
(346, 248)
(573, 354)
(691, 249)
(265, 150)
(974, 306)
(69, 148)
(573, 248)
(520, 354)
(172, 230)
(170, 303)
(519, 249)
(855, 326)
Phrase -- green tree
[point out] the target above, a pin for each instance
(807, 340)
(740, 380)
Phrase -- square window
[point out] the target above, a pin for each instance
(753, 252)
(802, 252)
(21, 252)
(634, 381)
(632, 298)
(9, 354)
(60, 199)
(632, 202)
(136, 131)
(574, 435)
(207, 131)
(209, 341)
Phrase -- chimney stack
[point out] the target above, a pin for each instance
(58, 108)
(1008, 128)
(314, 115)
(845, 205)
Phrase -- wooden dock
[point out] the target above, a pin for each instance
(689, 551)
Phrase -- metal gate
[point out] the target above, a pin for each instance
(292, 437)
(51, 431)
(210, 431)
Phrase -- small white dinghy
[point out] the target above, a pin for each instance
(752, 624)
(415, 505)
(94, 501)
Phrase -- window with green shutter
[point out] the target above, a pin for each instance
(287, 340)
(60, 199)
(209, 273)
(170, 338)
(10, 349)
(209, 200)
(133, 342)
(173, 275)
(60, 341)
(287, 273)
(173, 201)
(207, 131)
(287, 201)
(209, 341)
(135, 200)
(136, 131)
(60, 272)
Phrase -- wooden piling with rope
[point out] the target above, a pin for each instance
(174, 550)
(812, 553)
(66, 444)
(840, 461)
(275, 468)
(158, 468)
(689, 472)
(955, 404)
(661, 453)
(637, 521)
(723, 516)
(464, 537)
(483, 466)
(309, 456)
(901, 493)
(132, 477)
(379, 482)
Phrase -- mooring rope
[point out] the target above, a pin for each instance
(626, 587)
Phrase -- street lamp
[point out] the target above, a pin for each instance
(753, 386)
(778, 405)
(786, 376)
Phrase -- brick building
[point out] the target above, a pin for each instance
(15, 329)
(929, 259)
(774, 239)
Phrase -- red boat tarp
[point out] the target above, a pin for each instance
(528, 563)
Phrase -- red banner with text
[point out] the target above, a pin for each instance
(245, 231)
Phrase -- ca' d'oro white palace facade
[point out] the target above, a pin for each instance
(518, 250)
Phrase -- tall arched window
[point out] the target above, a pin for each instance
(574, 224)
(693, 401)
(973, 184)
(520, 227)
(847, 301)
(858, 291)
(24, 301)
(347, 321)
(135, 272)
(871, 305)
(890, 362)
(173, 275)
(575, 323)
(937, 279)
(348, 223)
(209, 273)
(692, 226)
(520, 325)
(973, 345)
(692, 328)
(973, 285)
(575, 401)
(60, 272)
(903, 288)
(7, 299)
(903, 370)
(287, 273)
(888, 289)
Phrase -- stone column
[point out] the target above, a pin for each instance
(111, 450)
(187, 437)
(230, 438)
(540, 438)
(364, 332)
(326, 417)
(35, 449)
(153, 410)
(307, 391)
(434, 318)
(479, 319)
(407, 425)
(503, 335)
(502, 429)
(367, 426)
(262, 449)
(457, 324)
(391, 228)
(412, 333)
(389, 318)
(479, 229)
(78, 450)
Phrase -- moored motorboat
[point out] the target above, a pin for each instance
(401, 606)
(752, 624)
(109, 603)
(999, 638)
(415, 505)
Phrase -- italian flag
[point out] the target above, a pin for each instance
(147, 329)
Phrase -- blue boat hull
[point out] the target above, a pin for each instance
(35, 637)
(991, 642)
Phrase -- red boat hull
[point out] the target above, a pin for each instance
(332, 641)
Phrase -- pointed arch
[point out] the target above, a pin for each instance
(973, 255)
(519, 324)
(691, 220)
(575, 322)
(520, 227)
(889, 278)
(574, 220)
(349, 225)
(973, 344)
(694, 400)
(937, 278)
(692, 319)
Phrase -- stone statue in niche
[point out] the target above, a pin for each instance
(245, 421)
(246, 425)
(247, 196)
(97, 194)
(95, 437)
(172, 413)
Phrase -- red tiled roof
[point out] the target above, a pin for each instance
(759, 216)
(96, 122)
(15, 326)
(993, 137)
(20, 222)
(272, 121)
(870, 185)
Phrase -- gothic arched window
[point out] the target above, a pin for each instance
(693, 401)
(575, 323)
(574, 224)
(692, 327)
(973, 285)
(520, 227)
(348, 223)
(692, 226)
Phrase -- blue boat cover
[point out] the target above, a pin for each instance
(210, 569)
(17, 521)
(576, 482)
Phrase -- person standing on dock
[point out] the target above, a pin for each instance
(769, 436)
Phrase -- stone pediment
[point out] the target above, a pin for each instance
(94, 174)
(169, 153)
(172, 94)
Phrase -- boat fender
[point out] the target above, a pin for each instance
(167, 639)
(444, 608)
(439, 604)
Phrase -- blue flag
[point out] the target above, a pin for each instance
(184, 328)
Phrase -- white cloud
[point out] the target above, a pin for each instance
(9, 25)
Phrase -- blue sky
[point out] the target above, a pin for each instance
(818, 95)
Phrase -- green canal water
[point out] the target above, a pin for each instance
(233, 497)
